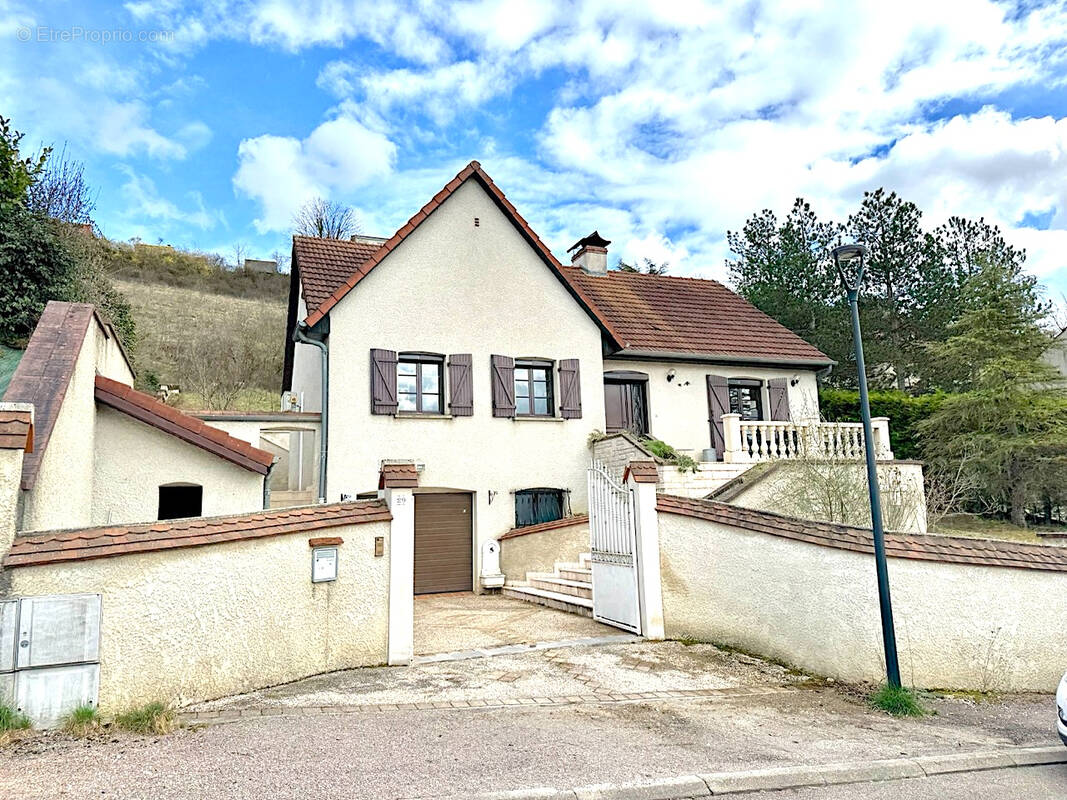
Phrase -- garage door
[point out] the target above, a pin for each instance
(443, 543)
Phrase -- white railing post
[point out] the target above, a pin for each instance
(731, 436)
(880, 426)
(649, 582)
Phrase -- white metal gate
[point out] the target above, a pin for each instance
(50, 655)
(613, 545)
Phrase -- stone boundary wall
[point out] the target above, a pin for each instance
(970, 614)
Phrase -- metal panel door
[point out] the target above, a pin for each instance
(613, 545)
(56, 644)
(444, 548)
(59, 629)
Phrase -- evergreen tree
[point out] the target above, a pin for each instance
(1007, 426)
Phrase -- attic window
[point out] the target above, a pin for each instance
(180, 500)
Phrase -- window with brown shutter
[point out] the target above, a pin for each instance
(420, 383)
(570, 389)
(460, 385)
(533, 389)
(503, 385)
(383, 382)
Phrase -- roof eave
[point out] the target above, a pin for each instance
(722, 358)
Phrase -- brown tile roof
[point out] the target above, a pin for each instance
(566, 522)
(45, 370)
(981, 552)
(16, 430)
(643, 472)
(150, 411)
(117, 540)
(670, 314)
(325, 264)
(398, 476)
(648, 313)
(472, 171)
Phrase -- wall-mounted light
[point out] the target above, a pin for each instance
(492, 494)
(670, 375)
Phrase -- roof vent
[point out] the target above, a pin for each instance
(591, 254)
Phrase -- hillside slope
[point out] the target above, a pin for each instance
(186, 335)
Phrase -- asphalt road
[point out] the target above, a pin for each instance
(1025, 783)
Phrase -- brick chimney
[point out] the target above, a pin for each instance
(591, 254)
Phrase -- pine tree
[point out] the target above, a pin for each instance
(1007, 426)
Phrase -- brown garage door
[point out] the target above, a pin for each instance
(443, 543)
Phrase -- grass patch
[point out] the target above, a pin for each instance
(154, 718)
(82, 721)
(972, 526)
(12, 720)
(688, 641)
(899, 701)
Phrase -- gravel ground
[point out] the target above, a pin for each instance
(432, 753)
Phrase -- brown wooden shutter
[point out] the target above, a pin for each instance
(718, 404)
(460, 386)
(503, 379)
(570, 389)
(778, 391)
(382, 382)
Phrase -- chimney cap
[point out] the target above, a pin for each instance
(592, 240)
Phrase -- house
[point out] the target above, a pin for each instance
(103, 453)
(462, 344)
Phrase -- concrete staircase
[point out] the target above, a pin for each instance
(569, 588)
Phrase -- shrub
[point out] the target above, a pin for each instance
(905, 412)
(12, 720)
(898, 701)
(82, 721)
(153, 718)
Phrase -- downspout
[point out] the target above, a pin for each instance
(266, 485)
(300, 335)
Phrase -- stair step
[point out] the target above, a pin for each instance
(576, 574)
(544, 597)
(553, 583)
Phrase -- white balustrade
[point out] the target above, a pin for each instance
(768, 440)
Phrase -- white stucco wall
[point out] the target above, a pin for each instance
(901, 483)
(132, 460)
(452, 287)
(678, 411)
(62, 495)
(10, 477)
(197, 623)
(307, 367)
(958, 626)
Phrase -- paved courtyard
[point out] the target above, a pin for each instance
(446, 623)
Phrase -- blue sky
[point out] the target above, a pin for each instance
(661, 124)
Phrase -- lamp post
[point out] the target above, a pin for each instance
(844, 257)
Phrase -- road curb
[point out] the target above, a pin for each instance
(716, 784)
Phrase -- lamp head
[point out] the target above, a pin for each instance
(846, 253)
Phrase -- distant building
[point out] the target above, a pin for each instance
(258, 265)
(1056, 355)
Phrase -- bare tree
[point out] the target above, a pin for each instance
(325, 219)
(282, 259)
(648, 266)
(240, 252)
(219, 368)
(60, 190)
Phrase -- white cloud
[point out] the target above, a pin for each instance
(143, 201)
(282, 172)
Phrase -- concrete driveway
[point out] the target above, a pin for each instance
(446, 623)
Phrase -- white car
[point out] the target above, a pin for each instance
(1061, 709)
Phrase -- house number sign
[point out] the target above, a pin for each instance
(323, 564)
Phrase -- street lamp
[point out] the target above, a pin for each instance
(849, 260)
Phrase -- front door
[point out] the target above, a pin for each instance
(626, 407)
(444, 548)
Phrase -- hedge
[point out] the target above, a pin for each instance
(904, 412)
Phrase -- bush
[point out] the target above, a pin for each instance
(898, 701)
(82, 721)
(905, 412)
(12, 720)
(154, 718)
